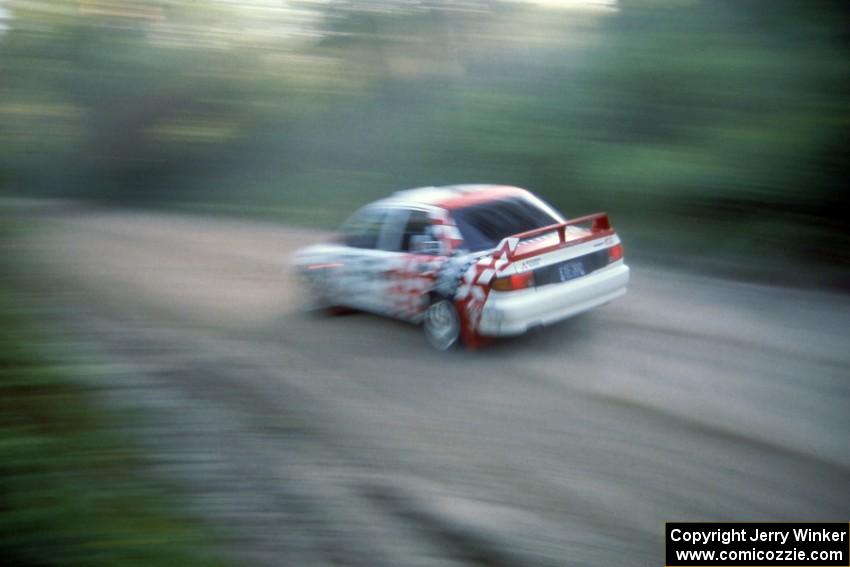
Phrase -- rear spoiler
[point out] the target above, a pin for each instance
(600, 226)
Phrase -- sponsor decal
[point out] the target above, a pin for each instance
(530, 264)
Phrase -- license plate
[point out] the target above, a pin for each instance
(571, 270)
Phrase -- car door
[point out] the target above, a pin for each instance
(355, 283)
(380, 261)
(414, 261)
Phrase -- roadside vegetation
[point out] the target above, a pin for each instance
(74, 489)
(709, 130)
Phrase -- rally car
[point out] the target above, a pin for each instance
(467, 262)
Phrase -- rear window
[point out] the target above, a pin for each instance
(484, 225)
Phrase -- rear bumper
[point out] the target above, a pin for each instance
(514, 313)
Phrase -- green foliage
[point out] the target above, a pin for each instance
(675, 116)
(73, 490)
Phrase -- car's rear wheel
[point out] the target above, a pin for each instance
(442, 325)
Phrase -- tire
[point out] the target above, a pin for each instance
(442, 325)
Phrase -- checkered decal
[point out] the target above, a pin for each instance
(465, 279)
(474, 284)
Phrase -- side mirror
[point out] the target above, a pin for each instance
(422, 244)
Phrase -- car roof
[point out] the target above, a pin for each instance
(452, 196)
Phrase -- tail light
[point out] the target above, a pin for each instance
(615, 253)
(514, 282)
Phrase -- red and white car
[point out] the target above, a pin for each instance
(468, 262)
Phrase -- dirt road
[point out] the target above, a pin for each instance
(314, 440)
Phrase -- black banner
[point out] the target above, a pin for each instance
(744, 544)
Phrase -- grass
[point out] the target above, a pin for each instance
(74, 489)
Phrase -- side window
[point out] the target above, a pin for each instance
(394, 223)
(417, 234)
(363, 228)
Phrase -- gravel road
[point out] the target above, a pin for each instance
(317, 440)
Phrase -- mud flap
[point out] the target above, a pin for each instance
(469, 337)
